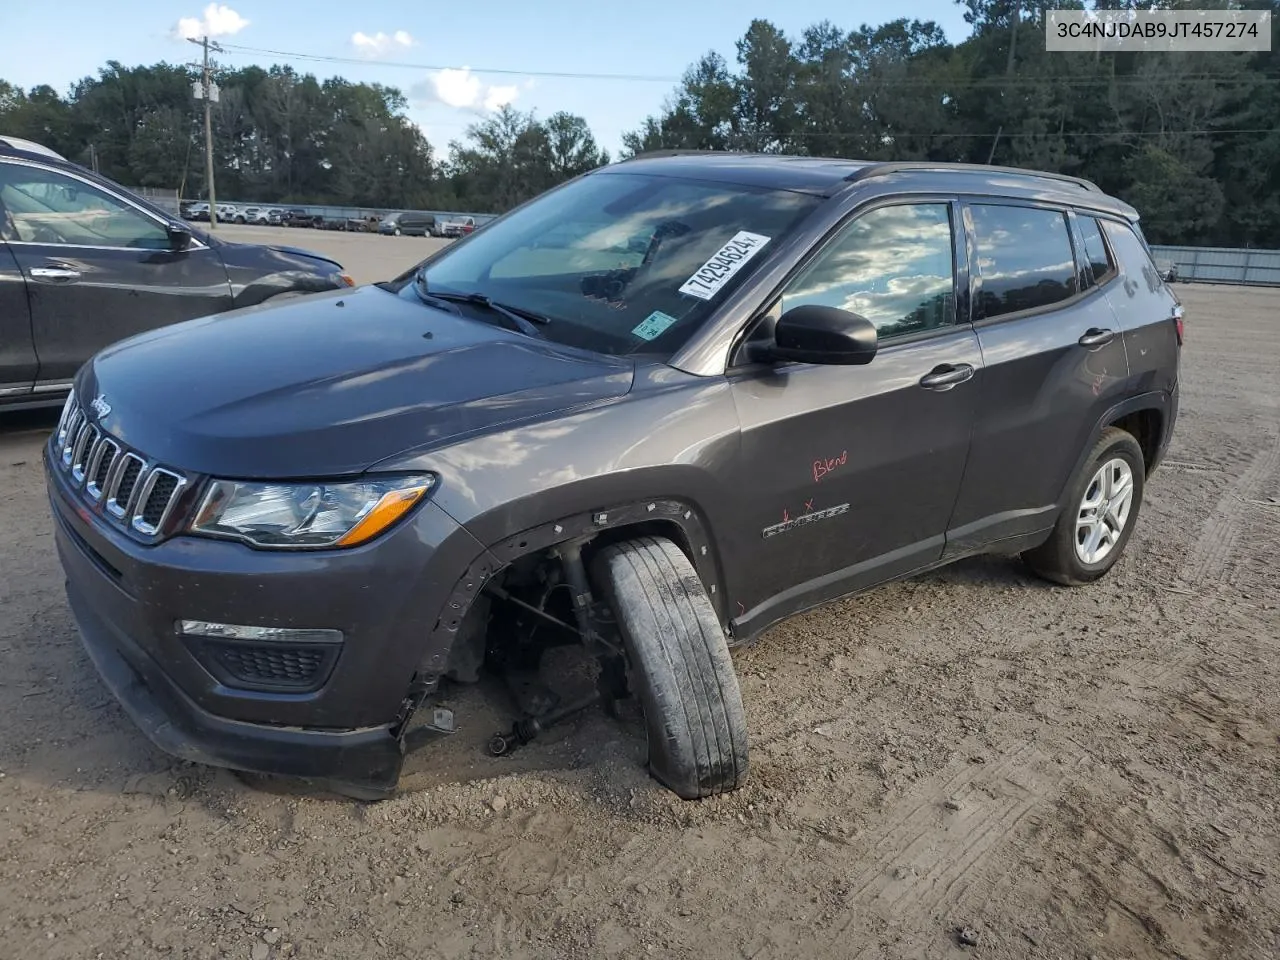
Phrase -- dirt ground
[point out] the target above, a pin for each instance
(1063, 773)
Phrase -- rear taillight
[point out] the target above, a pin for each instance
(1177, 322)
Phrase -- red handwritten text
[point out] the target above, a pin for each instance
(822, 467)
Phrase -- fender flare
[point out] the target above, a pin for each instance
(1158, 400)
(684, 515)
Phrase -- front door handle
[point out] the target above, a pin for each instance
(946, 375)
(55, 274)
(1096, 337)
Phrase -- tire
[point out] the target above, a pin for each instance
(679, 666)
(396, 231)
(1063, 558)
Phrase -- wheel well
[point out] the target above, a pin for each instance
(1145, 427)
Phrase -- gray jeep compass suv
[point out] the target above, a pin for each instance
(652, 412)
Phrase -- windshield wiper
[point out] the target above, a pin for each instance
(519, 318)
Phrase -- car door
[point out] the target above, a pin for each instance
(17, 351)
(98, 268)
(1054, 362)
(849, 473)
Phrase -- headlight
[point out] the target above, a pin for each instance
(286, 515)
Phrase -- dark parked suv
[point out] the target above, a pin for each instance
(652, 412)
(410, 223)
(84, 263)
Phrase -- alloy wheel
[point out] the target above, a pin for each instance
(1104, 511)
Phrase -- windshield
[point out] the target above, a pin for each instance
(622, 263)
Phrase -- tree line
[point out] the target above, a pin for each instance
(1191, 139)
(284, 137)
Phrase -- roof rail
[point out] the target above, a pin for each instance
(653, 154)
(901, 166)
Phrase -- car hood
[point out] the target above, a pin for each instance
(331, 384)
(300, 252)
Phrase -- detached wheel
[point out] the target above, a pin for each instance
(679, 665)
(1102, 510)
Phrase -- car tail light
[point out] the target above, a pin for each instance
(1177, 321)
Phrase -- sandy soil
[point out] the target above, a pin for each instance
(1062, 773)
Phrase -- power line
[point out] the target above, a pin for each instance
(911, 82)
(548, 74)
(1021, 134)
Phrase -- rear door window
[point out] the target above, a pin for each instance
(1095, 250)
(1024, 259)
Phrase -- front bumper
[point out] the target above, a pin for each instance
(385, 597)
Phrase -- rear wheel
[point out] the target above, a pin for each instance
(679, 665)
(1103, 505)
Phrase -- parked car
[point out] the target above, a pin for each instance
(198, 211)
(456, 228)
(229, 213)
(300, 218)
(84, 263)
(653, 412)
(275, 217)
(410, 223)
(253, 215)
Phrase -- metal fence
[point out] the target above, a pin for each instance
(1221, 264)
(162, 197)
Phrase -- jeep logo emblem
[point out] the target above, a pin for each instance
(100, 406)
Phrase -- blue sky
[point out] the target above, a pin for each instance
(651, 38)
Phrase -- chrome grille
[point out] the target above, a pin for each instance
(134, 491)
(86, 444)
(123, 484)
(104, 456)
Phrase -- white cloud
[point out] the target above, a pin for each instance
(495, 98)
(380, 44)
(219, 20)
(462, 89)
(457, 88)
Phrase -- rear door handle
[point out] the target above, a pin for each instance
(1096, 337)
(55, 274)
(946, 375)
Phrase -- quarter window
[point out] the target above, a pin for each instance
(1025, 260)
(44, 206)
(1095, 250)
(894, 266)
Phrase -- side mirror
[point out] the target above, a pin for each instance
(813, 333)
(179, 237)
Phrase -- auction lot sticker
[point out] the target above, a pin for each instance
(720, 268)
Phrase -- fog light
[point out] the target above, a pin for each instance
(235, 631)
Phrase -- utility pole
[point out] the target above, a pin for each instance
(208, 92)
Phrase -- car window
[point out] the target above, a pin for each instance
(44, 206)
(1136, 256)
(1025, 260)
(893, 265)
(1095, 249)
(622, 263)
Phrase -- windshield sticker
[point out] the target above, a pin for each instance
(652, 325)
(728, 260)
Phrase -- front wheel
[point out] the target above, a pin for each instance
(1102, 510)
(396, 231)
(679, 664)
